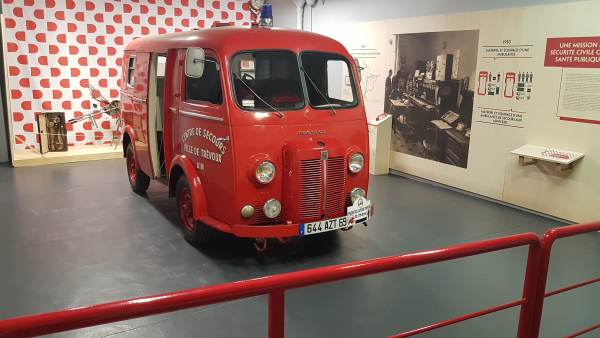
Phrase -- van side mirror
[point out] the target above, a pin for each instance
(194, 62)
(359, 69)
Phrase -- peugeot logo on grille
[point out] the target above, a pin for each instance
(311, 132)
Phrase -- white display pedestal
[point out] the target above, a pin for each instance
(380, 135)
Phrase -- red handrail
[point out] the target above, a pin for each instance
(540, 290)
(275, 287)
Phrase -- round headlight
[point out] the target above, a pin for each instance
(272, 208)
(356, 193)
(356, 162)
(265, 172)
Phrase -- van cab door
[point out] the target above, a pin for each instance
(173, 71)
(138, 93)
(204, 133)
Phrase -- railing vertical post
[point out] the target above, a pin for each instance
(529, 291)
(540, 289)
(276, 313)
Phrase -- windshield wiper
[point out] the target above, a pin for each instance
(258, 97)
(318, 91)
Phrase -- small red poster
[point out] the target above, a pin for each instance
(582, 52)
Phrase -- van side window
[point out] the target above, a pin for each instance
(130, 68)
(206, 88)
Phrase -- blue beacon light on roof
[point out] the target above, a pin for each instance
(266, 16)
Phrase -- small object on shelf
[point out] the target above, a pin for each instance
(52, 132)
(557, 156)
(429, 70)
(450, 117)
(441, 124)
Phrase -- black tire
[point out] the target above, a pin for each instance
(138, 180)
(195, 232)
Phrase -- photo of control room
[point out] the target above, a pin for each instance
(430, 95)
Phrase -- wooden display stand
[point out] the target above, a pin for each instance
(31, 157)
(380, 136)
(557, 156)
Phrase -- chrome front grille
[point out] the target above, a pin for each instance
(311, 187)
(336, 184)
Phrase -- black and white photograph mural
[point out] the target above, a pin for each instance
(429, 93)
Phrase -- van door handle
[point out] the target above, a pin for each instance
(174, 110)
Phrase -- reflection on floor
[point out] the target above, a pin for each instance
(75, 234)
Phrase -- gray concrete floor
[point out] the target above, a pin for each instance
(73, 235)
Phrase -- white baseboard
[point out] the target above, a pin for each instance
(420, 179)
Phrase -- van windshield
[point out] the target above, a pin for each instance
(328, 80)
(274, 76)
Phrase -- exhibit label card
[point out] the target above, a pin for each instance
(580, 81)
(580, 94)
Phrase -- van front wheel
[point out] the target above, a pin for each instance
(138, 180)
(195, 232)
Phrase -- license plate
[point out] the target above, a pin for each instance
(323, 226)
(357, 213)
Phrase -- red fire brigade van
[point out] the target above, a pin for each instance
(258, 132)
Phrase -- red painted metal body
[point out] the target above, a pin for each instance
(549, 238)
(229, 185)
(135, 112)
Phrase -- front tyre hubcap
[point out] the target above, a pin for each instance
(131, 166)
(186, 209)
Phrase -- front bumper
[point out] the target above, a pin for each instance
(271, 231)
(266, 231)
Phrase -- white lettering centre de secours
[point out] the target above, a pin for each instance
(196, 151)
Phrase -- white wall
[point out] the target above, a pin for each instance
(284, 13)
(369, 32)
(335, 12)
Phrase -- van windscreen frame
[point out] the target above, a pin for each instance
(290, 84)
(328, 102)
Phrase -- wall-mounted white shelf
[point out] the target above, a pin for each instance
(558, 156)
